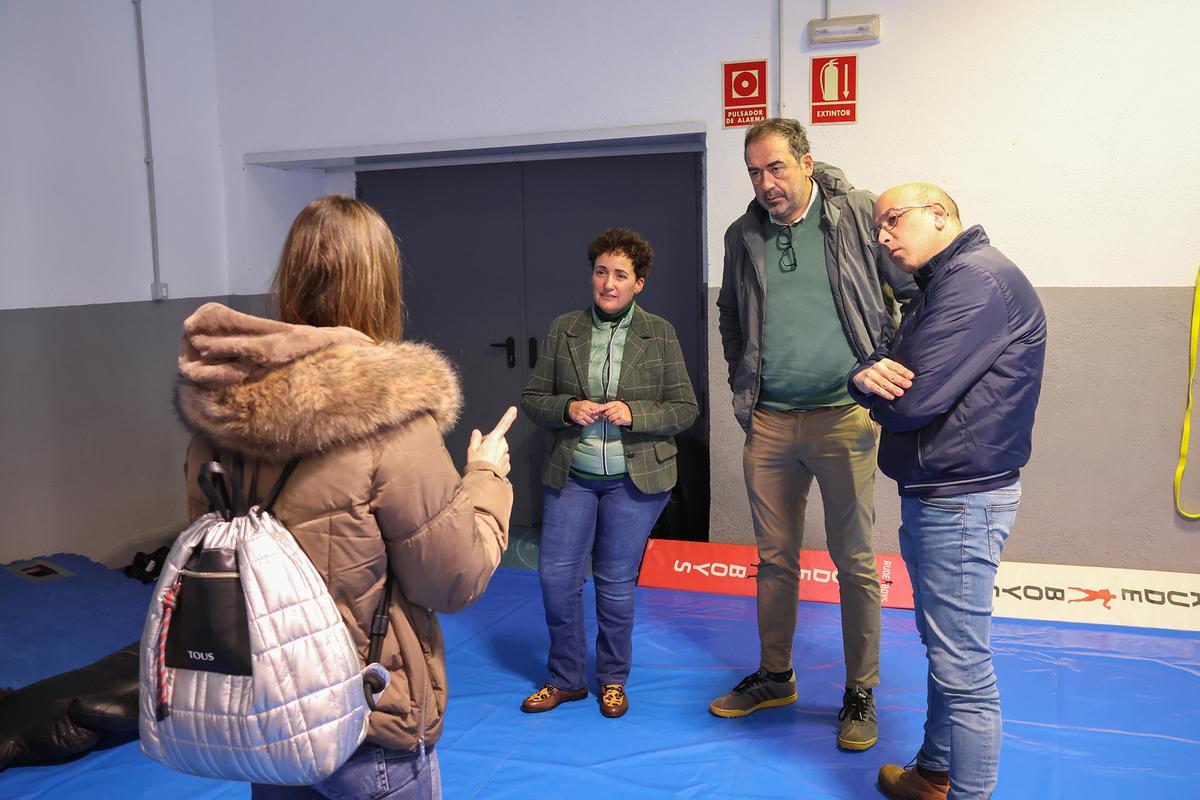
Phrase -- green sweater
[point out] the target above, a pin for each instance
(600, 454)
(806, 357)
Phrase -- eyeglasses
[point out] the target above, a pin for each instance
(787, 261)
(891, 218)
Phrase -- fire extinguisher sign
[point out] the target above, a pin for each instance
(834, 89)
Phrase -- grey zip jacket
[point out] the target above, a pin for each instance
(867, 287)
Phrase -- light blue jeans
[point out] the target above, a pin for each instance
(952, 547)
(371, 773)
(611, 521)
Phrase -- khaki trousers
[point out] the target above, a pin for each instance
(784, 451)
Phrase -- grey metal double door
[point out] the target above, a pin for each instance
(492, 253)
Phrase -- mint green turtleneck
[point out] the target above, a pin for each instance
(599, 454)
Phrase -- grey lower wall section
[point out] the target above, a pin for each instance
(257, 304)
(92, 455)
(1097, 490)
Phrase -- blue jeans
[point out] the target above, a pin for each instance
(611, 520)
(952, 547)
(372, 773)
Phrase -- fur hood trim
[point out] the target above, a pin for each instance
(324, 399)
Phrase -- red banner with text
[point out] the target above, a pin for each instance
(733, 568)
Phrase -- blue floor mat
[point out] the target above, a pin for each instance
(66, 623)
(1090, 712)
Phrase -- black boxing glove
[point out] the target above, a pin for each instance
(69, 713)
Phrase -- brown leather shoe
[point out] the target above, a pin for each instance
(550, 697)
(908, 784)
(613, 702)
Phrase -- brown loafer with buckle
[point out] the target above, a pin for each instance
(550, 697)
(613, 702)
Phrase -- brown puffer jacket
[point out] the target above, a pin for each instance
(375, 484)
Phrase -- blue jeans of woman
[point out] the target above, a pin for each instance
(611, 520)
(371, 773)
(952, 547)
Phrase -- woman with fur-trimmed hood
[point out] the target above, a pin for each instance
(333, 386)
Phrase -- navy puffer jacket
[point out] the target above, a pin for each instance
(976, 340)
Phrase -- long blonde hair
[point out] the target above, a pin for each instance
(340, 266)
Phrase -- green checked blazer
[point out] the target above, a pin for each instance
(654, 384)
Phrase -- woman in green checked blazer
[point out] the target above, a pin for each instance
(612, 386)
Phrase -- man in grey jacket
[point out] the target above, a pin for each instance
(806, 297)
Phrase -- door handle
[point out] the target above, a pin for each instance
(510, 350)
(532, 352)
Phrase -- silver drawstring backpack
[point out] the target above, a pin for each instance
(247, 670)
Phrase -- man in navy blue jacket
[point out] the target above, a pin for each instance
(955, 392)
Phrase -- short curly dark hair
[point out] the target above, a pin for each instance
(790, 130)
(627, 243)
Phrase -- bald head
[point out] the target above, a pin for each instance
(922, 193)
(914, 222)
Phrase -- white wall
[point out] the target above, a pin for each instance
(74, 219)
(297, 76)
(189, 176)
(73, 216)
(1063, 127)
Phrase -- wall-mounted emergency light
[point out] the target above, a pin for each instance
(844, 29)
